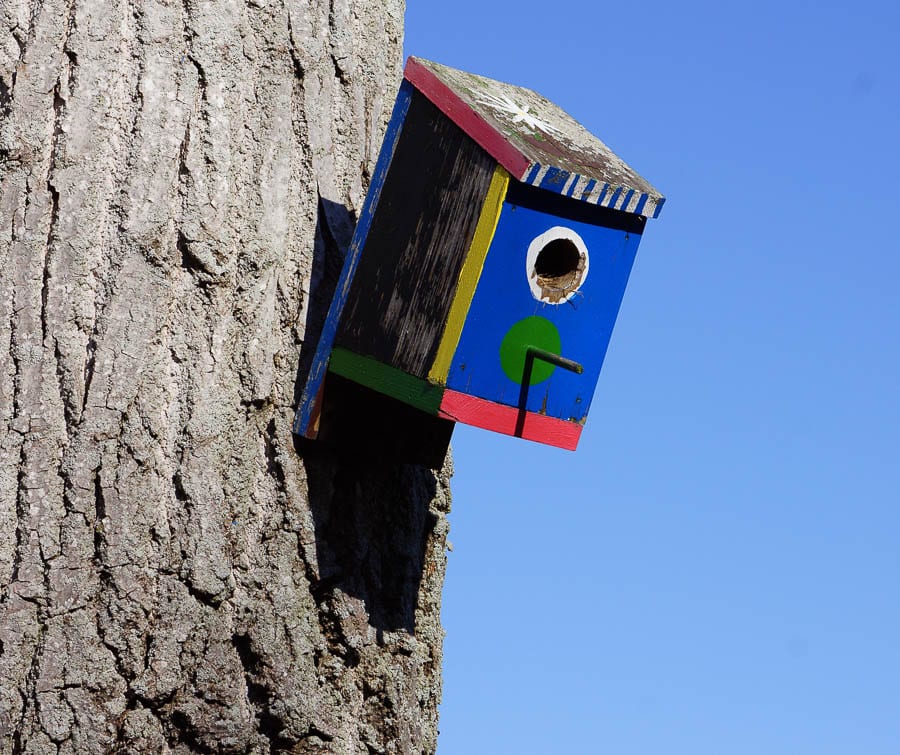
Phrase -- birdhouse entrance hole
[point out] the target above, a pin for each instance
(557, 264)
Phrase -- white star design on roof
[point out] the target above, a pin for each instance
(520, 114)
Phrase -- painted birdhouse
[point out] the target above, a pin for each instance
(488, 265)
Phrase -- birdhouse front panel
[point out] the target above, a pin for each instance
(553, 278)
(488, 265)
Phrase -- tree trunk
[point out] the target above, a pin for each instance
(178, 179)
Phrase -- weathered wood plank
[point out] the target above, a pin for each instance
(417, 243)
(425, 78)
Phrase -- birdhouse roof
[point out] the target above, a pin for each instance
(536, 141)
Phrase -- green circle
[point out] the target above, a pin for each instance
(532, 331)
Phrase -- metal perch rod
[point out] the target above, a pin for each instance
(533, 352)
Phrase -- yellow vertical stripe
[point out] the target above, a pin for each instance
(469, 275)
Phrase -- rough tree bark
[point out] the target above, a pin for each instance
(176, 575)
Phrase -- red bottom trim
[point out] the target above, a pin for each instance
(508, 420)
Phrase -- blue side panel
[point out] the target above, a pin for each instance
(307, 408)
(504, 297)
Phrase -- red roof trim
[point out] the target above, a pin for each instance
(449, 103)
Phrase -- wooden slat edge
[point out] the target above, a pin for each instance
(622, 197)
(508, 420)
(386, 379)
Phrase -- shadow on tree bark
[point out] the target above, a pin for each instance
(371, 546)
(335, 224)
(370, 537)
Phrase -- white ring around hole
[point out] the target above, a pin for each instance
(534, 249)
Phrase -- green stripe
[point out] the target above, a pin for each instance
(387, 380)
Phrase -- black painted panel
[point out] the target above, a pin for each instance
(423, 226)
(523, 195)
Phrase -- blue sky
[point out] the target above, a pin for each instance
(717, 568)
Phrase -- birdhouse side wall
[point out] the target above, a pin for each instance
(415, 248)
